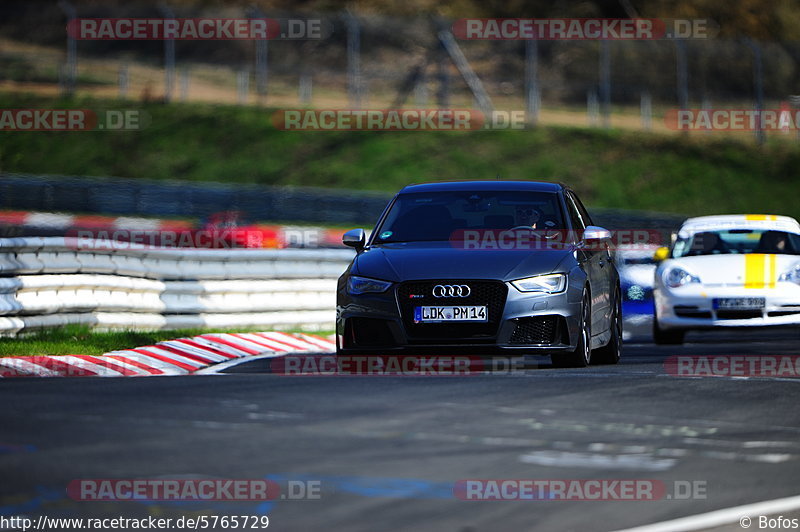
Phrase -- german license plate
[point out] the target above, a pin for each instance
(739, 303)
(442, 314)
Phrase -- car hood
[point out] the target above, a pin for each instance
(735, 270)
(437, 260)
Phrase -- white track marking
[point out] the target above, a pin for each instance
(22, 366)
(210, 342)
(204, 353)
(171, 356)
(217, 369)
(272, 344)
(637, 462)
(288, 339)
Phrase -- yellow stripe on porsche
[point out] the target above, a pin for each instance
(773, 277)
(760, 271)
(760, 217)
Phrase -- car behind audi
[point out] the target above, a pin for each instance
(728, 271)
(483, 266)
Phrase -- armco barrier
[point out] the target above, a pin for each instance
(152, 198)
(53, 281)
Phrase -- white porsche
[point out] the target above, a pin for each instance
(728, 271)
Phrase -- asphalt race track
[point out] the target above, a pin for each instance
(386, 452)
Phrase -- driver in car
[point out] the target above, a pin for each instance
(528, 217)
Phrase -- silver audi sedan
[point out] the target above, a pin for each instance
(486, 267)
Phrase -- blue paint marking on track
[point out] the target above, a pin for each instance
(47, 495)
(44, 495)
(399, 488)
(6, 448)
(395, 488)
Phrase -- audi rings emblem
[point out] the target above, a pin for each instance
(451, 290)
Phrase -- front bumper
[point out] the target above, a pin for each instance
(372, 323)
(692, 307)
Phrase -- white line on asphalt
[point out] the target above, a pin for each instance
(641, 461)
(217, 368)
(721, 517)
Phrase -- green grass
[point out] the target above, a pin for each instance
(696, 174)
(80, 340)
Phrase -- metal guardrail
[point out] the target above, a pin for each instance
(52, 281)
(152, 198)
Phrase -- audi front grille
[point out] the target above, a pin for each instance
(490, 293)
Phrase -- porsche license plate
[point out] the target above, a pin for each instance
(739, 303)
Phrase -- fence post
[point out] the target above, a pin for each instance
(184, 85)
(305, 89)
(758, 86)
(421, 91)
(443, 94)
(682, 74)
(169, 57)
(592, 107)
(353, 60)
(70, 73)
(261, 67)
(706, 106)
(123, 81)
(646, 108)
(532, 91)
(605, 82)
(242, 86)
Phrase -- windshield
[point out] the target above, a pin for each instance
(434, 216)
(737, 241)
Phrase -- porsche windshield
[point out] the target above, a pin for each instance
(434, 216)
(737, 241)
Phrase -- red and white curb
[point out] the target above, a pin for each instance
(171, 357)
(65, 221)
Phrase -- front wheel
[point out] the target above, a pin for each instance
(611, 352)
(581, 356)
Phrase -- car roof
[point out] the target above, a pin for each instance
(494, 185)
(740, 221)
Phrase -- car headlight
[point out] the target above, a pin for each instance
(792, 275)
(677, 277)
(364, 285)
(549, 284)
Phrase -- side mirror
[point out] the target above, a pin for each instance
(595, 233)
(661, 254)
(355, 238)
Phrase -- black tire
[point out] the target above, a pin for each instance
(662, 337)
(611, 352)
(582, 355)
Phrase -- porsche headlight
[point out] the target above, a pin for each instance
(549, 284)
(364, 285)
(677, 277)
(792, 275)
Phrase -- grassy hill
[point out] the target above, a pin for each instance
(621, 169)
